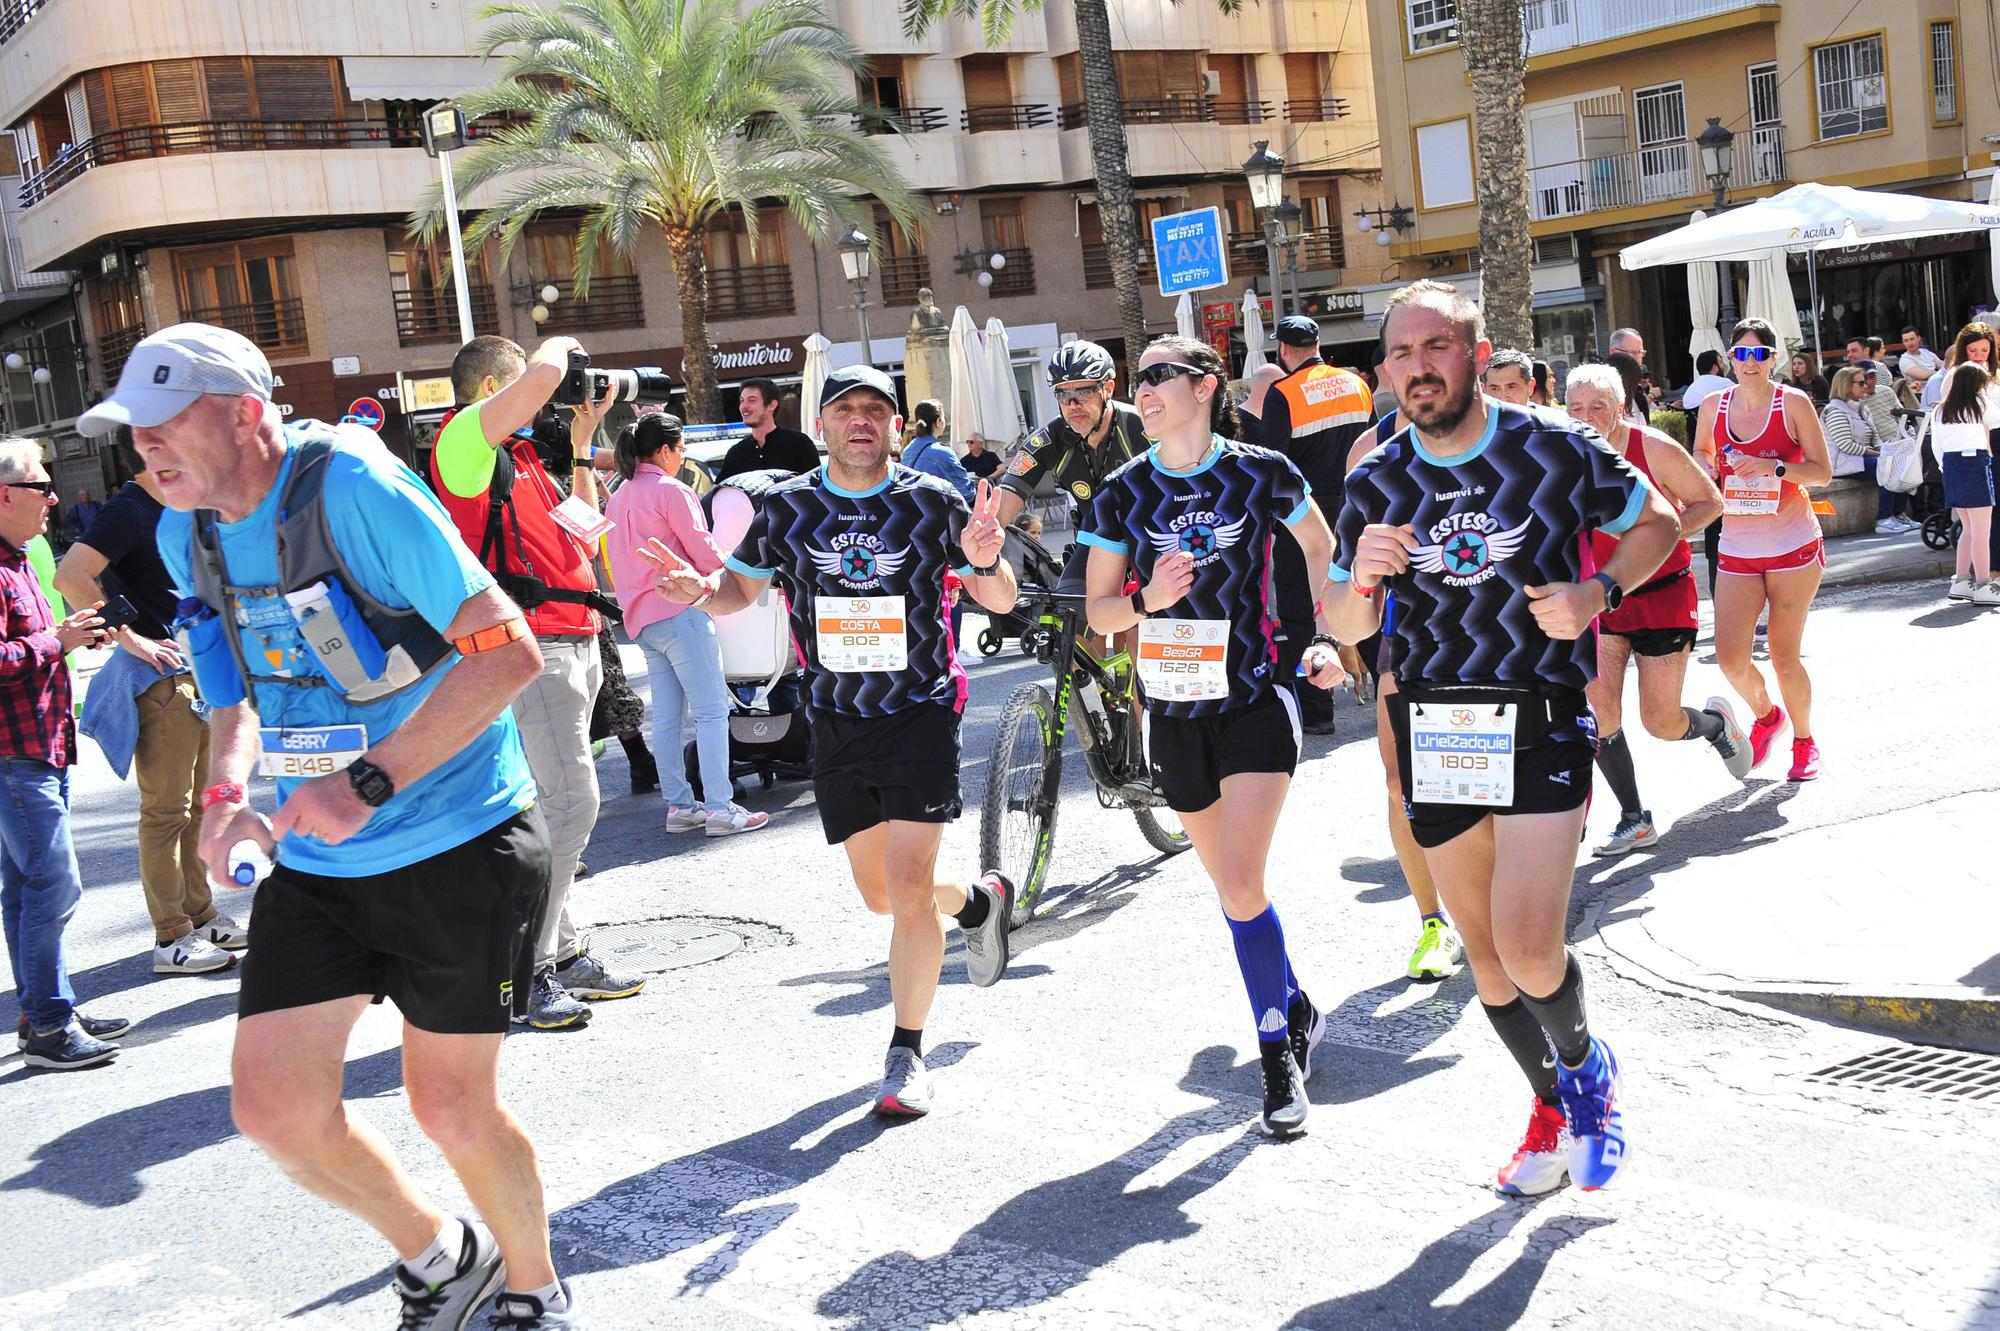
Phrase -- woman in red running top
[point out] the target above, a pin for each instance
(1762, 442)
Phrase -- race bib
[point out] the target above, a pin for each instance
(1184, 660)
(308, 751)
(1462, 754)
(861, 634)
(1750, 495)
(581, 520)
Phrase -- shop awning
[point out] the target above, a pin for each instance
(390, 78)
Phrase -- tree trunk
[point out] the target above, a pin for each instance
(1493, 36)
(1104, 112)
(690, 261)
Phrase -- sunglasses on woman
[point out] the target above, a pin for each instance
(1743, 353)
(1153, 376)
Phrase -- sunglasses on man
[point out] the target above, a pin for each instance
(46, 488)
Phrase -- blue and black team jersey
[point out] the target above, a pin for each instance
(1515, 511)
(1223, 512)
(823, 543)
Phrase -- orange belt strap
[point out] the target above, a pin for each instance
(487, 639)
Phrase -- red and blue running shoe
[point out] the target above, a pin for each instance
(1589, 1094)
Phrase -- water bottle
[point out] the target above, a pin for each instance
(248, 864)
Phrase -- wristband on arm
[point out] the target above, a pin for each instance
(488, 639)
(225, 792)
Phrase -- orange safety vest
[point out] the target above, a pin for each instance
(1320, 396)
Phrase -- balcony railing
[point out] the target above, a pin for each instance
(432, 316)
(903, 276)
(14, 15)
(747, 293)
(1247, 254)
(1307, 110)
(1097, 268)
(979, 119)
(613, 303)
(1559, 25)
(1321, 248)
(1018, 277)
(274, 325)
(114, 346)
(1666, 172)
(1766, 162)
(1174, 110)
(903, 120)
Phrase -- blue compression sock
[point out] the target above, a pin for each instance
(1267, 972)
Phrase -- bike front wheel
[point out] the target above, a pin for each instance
(1017, 819)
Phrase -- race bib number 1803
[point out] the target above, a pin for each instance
(1462, 754)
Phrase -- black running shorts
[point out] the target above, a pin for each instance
(1555, 747)
(450, 940)
(1656, 642)
(902, 767)
(1191, 754)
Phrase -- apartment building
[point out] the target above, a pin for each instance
(1873, 96)
(250, 163)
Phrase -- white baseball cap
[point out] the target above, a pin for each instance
(167, 371)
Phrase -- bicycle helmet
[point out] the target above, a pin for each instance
(1080, 360)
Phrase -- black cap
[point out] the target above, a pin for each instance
(850, 377)
(1297, 330)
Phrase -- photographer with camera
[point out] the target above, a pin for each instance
(486, 470)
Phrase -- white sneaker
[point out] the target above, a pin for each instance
(686, 820)
(1889, 527)
(190, 954)
(1960, 588)
(734, 819)
(1910, 524)
(225, 933)
(1986, 595)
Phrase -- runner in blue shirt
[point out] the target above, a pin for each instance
(1194, 518)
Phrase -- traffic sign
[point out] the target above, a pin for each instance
(1190, 252)
(365, 411)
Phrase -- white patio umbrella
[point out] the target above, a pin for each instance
(812, 380)
(1253, 332)
(1704, 306)
(967, 408)
(1770, 298)
(1003, 397)
(1184, 321)
(1993, 200)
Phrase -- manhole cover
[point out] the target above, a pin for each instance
(664, 945)
(1945, 1072)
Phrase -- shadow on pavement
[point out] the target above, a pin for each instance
(1070, 909)
(99, 1163)
(1984, 976)
(1084, 1222)
(1357, 1071)
(1752, 811)
(868, 988)
(1386, 875)
(1948, 616)
(1408, 1301)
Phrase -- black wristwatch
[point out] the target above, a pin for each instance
(1614, 595)
(986, 572)
(1139, 605)
(372, 785)
(1324, 640)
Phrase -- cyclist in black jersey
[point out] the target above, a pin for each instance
(1091, 437)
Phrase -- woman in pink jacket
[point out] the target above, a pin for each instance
(683, 658)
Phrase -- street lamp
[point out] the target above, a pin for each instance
(1291, 231)
(1718, 163)
(859, 262)
(444, 134)
(1265, 172)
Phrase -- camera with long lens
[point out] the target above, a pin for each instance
(648, 383)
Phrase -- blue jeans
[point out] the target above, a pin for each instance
(39, 886)
(684, 668)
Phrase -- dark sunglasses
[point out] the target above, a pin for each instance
(1743, 353)
(45, 488)
(1152, 376)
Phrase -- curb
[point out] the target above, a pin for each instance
(1964, 1023)
(1938, 567)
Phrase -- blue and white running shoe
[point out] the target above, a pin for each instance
(1597, 1145)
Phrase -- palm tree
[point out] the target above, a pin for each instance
(672, 113)
(1494, 37)
(1104, 118)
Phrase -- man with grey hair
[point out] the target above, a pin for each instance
(1627, 340)
(367, 662)
(39, 883)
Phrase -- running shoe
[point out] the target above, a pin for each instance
(1889, 527)
(1960, 588)
(97, 1028)
(734, 819)
(1438, 953)
(585, 977)
(1635, 831)
(686, 820)
(1597, 1146)
(1987, 593)
(986, 945)
(1308, 1028)
(524, 1312)
(552, 1007)
(906, 1085)
(1805, 761)
(1541, 1161)
(66, 1049)
(1909, 523)
(449, 1304)
(225, 933)
(1733, 745)
(190, 954)
(1285, 1102)
(1764, 733)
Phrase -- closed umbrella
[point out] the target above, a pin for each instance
(1704, 306)
(1770, 298)
(967, 408)
(1003, 396)
(813, 379)
(1253, 332)
(1184, 323)
(1993, 200)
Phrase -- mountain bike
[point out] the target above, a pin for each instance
(1017, 820)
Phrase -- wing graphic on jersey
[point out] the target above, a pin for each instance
(1503, 545)
(1230, 533)
(1198, 539)
(887, 562)
(1464, 553)
(826, 561)
(1427, 559)
(858, 564)
(1165, 542)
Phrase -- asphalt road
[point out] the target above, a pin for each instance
(1093, 1161)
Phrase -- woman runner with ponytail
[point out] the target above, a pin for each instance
(1194, 518)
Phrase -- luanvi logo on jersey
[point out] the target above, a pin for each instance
(1467, 493)
(1468, 548)
(859, 560)
(1202, 534)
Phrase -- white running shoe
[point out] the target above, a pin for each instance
(1541, 1162)
(225, 933)
(1960, 588)
(734, 819)
(1634, 832)
(1889, 527)
(1987, 594)
(1735, 746)
(686, 820)
(190, 954)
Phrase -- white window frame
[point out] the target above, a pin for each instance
(1944, 72)
(1767, 127)
(1855, 99)
(1439, 27)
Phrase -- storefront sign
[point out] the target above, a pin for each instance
(1889, 251)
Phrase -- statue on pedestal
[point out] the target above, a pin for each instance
(926, 353)
(927, 321)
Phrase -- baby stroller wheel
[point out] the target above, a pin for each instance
(1938, 530)
(990, 643)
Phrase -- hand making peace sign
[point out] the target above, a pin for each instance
(678, 581)
(983, 537)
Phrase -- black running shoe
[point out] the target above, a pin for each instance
(66, 1049)
(1285, 1102)
(1308, 1028)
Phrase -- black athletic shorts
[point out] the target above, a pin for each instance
(1656, 642)
(1555, 745)
(902, 767)
(450, 940)
(1191, 754)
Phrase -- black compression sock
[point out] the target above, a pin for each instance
(905, 1038)
(1614, 759)
(1523, 1036)
(1703, 725)
(1561, 1016)
(977, 906)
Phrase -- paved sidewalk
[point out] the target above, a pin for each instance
(1863, 558)
(1886, 922)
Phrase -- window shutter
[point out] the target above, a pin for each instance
(228, 88)
(131, 100)
(78, 105)
(177, 91)
(98, 98)
(295, 88)
(1302, 77)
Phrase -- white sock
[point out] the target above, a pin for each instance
(550, 1296)
(439, 1262)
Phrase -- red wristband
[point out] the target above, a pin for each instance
(228, 792)
(1359, 590)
